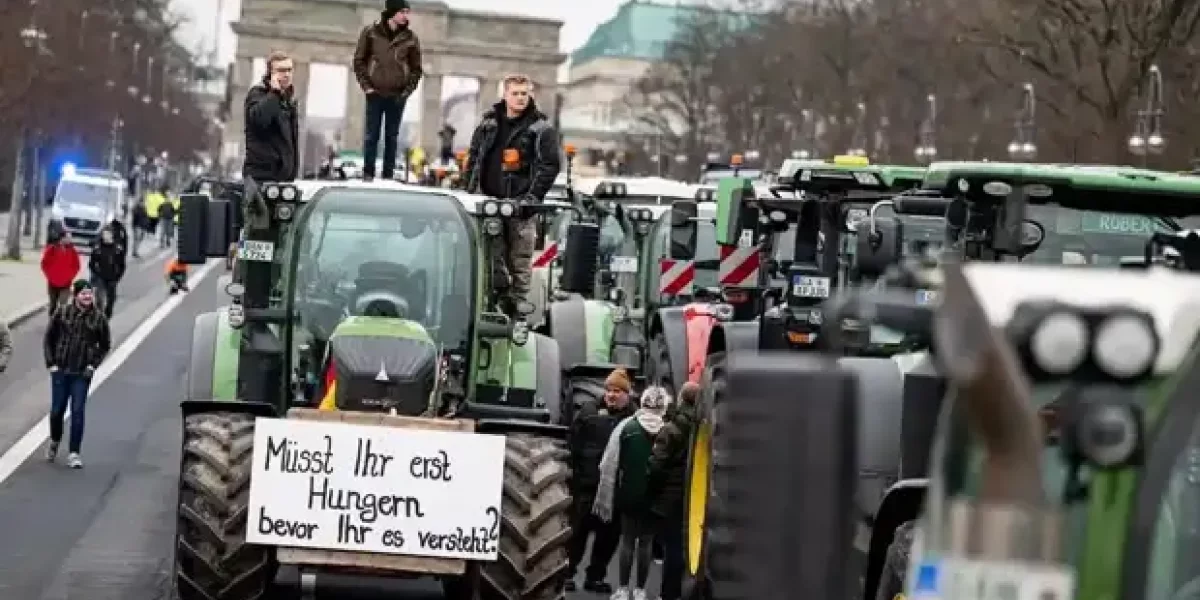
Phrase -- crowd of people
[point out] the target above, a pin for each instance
(628, 462)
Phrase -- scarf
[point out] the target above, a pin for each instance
(610, 462)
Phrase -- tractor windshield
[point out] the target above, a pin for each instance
(1086, 237)
(413, 249)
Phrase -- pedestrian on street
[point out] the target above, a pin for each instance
(446, 137)
(6, 345)
(387, 65)
(60, 266)
(591, 428)
(177, 276)
(120, 235)
(141, 223)
(623, 493)
(77, 339)
(514, 125)
(272, 132)
(107, 265)
(166, 219)
(667, 478)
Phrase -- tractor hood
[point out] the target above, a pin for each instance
(383, 363)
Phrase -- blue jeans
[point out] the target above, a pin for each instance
(72, 389)
(382, 112)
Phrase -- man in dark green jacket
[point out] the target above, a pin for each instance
(667, 479)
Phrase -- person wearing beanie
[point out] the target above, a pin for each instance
(667, 479)
(623, 494)
(591, 428)
(387, 65)
(76, 340)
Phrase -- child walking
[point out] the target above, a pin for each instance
(624, 491)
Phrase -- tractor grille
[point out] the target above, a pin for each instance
(407, 398)
(81, 224)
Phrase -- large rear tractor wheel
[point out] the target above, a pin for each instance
(705, 532)
(535, 523)
(212, 559)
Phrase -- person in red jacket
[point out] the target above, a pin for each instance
(60, 265)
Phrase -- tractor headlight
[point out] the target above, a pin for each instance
(777, 216)
(815, 316)
(1125, 346)
(723, 312)
(855, 216)
(647, 216)
(520, 333)
(235, 289)
(507, 209)
(289, 194)
(643, 228)
(271, 191)
(491, 208)
(1059, 343)
(493, 226)
(237, 316)
(284, 212)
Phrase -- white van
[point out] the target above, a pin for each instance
(85, 200)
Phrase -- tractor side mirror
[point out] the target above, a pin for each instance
(683, 230)
(880, 244)
(580, 259)
(204, 228)
(733, 196)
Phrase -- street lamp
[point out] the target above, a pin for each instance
(112, 53)
(149, 79)
(133, 89)
(809, 132)
(1023, 146)
(1147, 138)
(166, 106)
(926, 150)
(858, 145)
(752, 155)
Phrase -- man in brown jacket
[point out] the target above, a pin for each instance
(387, 64)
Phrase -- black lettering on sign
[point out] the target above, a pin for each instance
(349, 533)
(369, 506)
(434, 468)
(473, 541)
(392, 538)
(289, 457)
(494, 530)
(368, 463)
(284, 528)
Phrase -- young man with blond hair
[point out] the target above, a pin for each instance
(514, 123)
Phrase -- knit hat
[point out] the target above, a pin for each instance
(391, 7)
(689, 393)
(655, 399)
(80, 285)
(618, 379)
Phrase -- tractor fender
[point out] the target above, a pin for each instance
(567, 324)
(881, 403)
(733, 336)
(549, 375)
(669, 320)
(901, 503)
(539, 294)
(258, 409)
(202, 362)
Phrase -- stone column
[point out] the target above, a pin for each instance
(431, 114)
(300, 83)
(356, 112)
(489, 92)
(233, 135)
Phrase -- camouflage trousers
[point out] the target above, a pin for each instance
(512, 256)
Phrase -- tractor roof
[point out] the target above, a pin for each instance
(1092, 187)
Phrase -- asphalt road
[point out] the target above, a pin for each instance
(106, 532)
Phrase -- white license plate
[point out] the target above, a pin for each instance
(256, 251)
(623, 264)
(991, 580)
(927, 296)
(805, 286)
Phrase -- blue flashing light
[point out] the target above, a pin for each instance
(68, 169)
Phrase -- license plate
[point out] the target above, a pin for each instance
(256, 251)
(805, 286)
(927, 296)
(991, 580)
(623, 264)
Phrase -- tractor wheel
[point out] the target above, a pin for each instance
(583, 392)
(705, 534)
(658, 364)
(212, 559)
(535, 523)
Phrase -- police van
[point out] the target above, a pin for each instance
(86, 200)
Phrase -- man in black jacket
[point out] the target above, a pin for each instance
(667, 480)
(272, 130)
(107, 265)
(590, 429)
(514, 123)
(387, 65)
(76, 340)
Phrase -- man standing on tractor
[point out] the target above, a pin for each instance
(387, 64)
(77, 339)
(514, 155)
(272, 128)
(590, 429)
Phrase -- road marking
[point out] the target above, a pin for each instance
(16, 455)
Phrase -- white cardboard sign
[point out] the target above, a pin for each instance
(365, 488)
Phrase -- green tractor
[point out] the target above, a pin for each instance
(371, 305)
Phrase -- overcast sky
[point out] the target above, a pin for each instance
(580, 17)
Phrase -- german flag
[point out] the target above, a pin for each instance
(328, 401)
